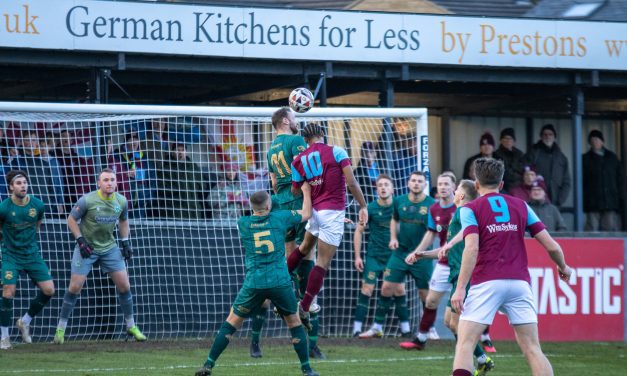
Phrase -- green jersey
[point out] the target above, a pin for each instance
(455, 253)
(263, 238)
(98, 217)
(280, 156)
(19, 226)
(413, 219)
(379, 217)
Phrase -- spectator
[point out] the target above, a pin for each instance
(42, 179)
(184, 186)
(530, 178)
(156, 143)
(405, 162)
(78, 172)
(552, 164)
(229, 199)
(368, 170)
(6, 150)
(55, 171)
(603, 186)
(548, 213)
(512, 157)
(486, 150)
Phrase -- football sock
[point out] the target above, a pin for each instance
(294, 259)
(316, 280)
(220, 343)
(485, 336)
(6, 312)
(362, 308)
(383, 306)
(462, 372)
(126, 303)
(479, 353)
(487, 330)
(5, 331)
(299, 340)
(26, 319)
(62, 324)
(428, 318)
(313, 333)
(358, 326)
(69, 301)
(258, 320)
(37, 304)
(405, 328)
(481, 359)
(402, 312)
(303, 275)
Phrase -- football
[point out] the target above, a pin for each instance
(301, 100)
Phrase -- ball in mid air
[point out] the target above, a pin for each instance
(301, 100)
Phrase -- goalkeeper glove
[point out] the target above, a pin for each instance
(127, 251)
(85, 248)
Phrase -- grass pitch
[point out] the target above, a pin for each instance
(345, 357)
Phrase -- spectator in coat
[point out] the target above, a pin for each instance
(512, 157)
(368, 170)
(78, 172)
(229, 199)
(486, 150)
(548, 213)
(552, 164)
(530, 178)
(603, 186)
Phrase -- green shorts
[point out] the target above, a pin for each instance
(34, 265)
(397, 269)
(249, 300)
(454, 282)
(294, 233)
(373, 267)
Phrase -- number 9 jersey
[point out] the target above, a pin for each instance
(321, 166)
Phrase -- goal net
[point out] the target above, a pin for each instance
(187, 173)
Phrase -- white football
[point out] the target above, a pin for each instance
(301, 100)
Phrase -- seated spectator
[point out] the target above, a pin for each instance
(603, 186)
(183, 188)
(548, 213)
(368, 170)
(156, 144)
(530, 178)
(512, 157)
(229, 199)
(486, 150)
(78, 172)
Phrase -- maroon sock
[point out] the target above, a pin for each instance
(461, 372)
(428, 318)
(316, 280)
(487, 330)
(294, 259)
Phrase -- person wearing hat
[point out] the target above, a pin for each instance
(368, 170)
(530, 178)
(512, 157)
(547, 212)
(229, 199)
(603, 186)
(486, 150)
(552, 164)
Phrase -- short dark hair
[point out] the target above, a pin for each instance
(469, 188)
(279, 115)
(418, 173)
(386, 177)
(105, 170)
(313, 130)
(258, 199)
(11, 175)
(489, 172)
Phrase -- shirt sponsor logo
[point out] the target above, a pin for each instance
(506, 227)
(316, 182)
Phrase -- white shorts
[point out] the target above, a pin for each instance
(327, 225)
(513, 297)
(439, 279)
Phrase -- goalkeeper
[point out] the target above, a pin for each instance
(98, 213)
(263, 236)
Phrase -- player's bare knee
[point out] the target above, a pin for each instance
(292, 321)
(48, 290)
(367, 289)
(235, 320)
(399, 289)
(388, 289)
(8, 291)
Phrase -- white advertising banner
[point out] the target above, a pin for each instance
(204, 30)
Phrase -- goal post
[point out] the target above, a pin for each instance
(187, 173)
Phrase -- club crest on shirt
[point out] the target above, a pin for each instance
(423, 210)
(372, 275)
(438, 228)
(300, 148)
(8, 275)
(32, 212)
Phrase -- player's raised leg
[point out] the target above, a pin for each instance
(258, 319)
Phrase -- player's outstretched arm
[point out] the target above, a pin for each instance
(443, 252)
(555, 252)
(307, 209)
(353, 187)
(427, 239)
(359, 262)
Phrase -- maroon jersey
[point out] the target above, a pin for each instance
(439, 219)
(321, 166)
(500, 221)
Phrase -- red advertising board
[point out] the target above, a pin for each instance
(590, 306)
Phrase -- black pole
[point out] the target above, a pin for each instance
(575, 119)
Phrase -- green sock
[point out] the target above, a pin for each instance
(478, 351)
(220, 343)
(383, 306)
(313, 333)
(362, 307)
(6, 312)
(303, 275)
(299, 340)
(38, 303)
(259, 319)
(401, 308)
